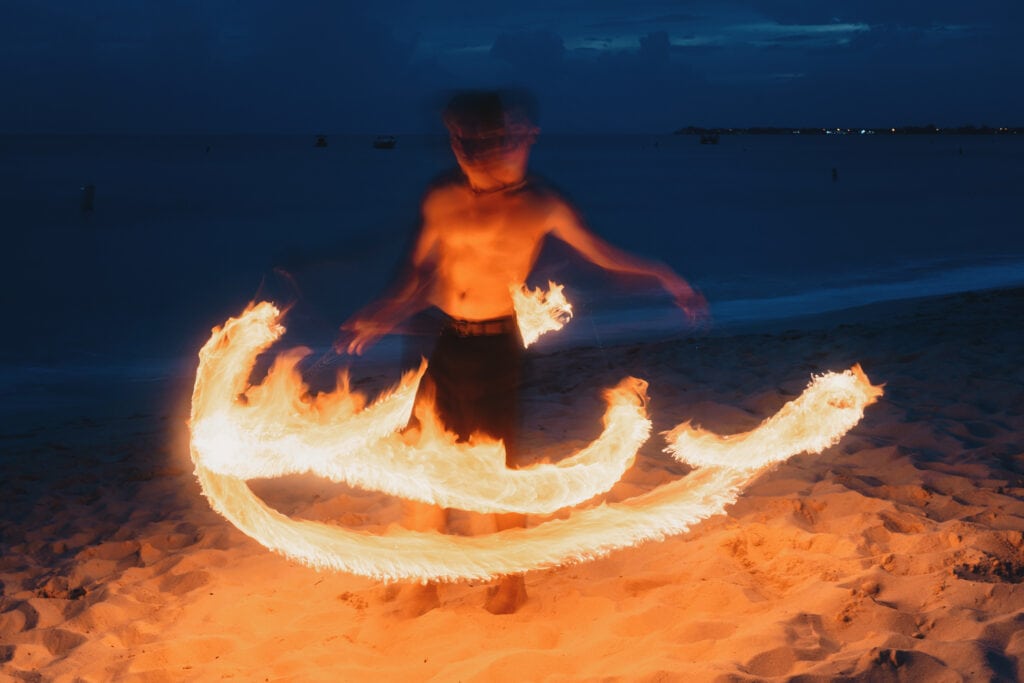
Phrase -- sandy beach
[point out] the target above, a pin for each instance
(896, 555)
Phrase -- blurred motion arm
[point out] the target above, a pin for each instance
(409, 293)
(568, 226)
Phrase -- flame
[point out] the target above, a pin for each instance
(830, 406)
(241, 431)
(538, 311)
(276, 428)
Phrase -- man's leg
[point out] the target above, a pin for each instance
(509, 593)
(500, 415)
(477, 389)
(416, 599)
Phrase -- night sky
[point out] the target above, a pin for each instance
(131, 66)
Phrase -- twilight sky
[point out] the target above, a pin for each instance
(595, 65)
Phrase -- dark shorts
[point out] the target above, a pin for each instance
(475, 371)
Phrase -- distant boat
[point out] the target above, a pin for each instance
(321, 141)
(709, 139)
(384, 142)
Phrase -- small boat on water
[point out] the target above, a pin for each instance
(709, 139)
(384, 142)
(321, 141)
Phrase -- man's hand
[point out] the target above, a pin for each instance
(692, 302)
(696, 309)
(358, 335)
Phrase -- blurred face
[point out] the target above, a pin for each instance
(493, 157)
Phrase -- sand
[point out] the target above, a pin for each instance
(895, 555)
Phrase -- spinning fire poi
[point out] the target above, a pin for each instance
(482, 230)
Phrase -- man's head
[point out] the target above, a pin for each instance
(491, 133)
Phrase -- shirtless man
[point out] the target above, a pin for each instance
(481, 232)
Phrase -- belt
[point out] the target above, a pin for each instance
(481, 328)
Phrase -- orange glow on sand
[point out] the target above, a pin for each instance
(241, 431)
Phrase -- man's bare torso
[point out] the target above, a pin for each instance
(482, 243)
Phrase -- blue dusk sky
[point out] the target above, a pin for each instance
(187, 66)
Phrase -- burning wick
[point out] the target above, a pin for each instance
(279, 428)
(538, 311)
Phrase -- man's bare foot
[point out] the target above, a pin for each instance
(389, 591)
(507, 596)
(415, 600)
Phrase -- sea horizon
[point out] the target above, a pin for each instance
(185, 230)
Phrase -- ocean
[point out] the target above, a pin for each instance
(185, 230)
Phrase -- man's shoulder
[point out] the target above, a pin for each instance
(443, 191)
(544, 188)
(448, 180)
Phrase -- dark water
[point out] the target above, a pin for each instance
(185, 230)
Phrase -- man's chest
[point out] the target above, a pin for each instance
(489, 231)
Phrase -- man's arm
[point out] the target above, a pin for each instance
(408, 294)
(568, 227)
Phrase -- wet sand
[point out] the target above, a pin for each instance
(896, 555)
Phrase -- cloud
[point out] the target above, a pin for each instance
(655, 48)
(183, 66)
(772, 33)
(662, 20)
(272, 65)
(886, 12)
(529, 49)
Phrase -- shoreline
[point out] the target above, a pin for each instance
(31, 393)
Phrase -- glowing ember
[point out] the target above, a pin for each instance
(240, 432)
(538, 311)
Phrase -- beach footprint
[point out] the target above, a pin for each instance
(21, 617)
(186, 582)
(37, 649)
(806, 641)
(61, 641)
(807, 635)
